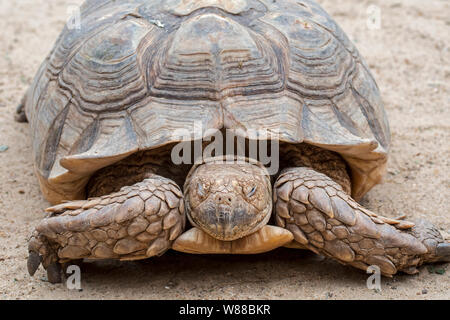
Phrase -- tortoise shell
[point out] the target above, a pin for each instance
(136, 71)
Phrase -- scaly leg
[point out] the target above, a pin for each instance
(326, 220)
(137, 222)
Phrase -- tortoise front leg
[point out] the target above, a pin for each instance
(326, 220)
(137, 222)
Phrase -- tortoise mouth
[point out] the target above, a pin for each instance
(228, 224)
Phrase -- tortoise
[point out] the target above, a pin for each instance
(106, 103)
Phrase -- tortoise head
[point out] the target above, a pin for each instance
(228, 199)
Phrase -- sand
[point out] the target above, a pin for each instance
(409, 56)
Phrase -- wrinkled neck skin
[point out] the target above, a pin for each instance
(228, 200)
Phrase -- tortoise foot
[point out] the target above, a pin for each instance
(20, 115)
(326, 220)
(137, 222)
(429, 235)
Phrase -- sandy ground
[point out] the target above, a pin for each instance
(410, 59)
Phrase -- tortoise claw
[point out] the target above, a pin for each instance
(54, 270)
(33, 262)
(443, 251)
(54, 273)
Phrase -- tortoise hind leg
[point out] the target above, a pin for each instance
(20, 115)
(326, 220)
(137, 222)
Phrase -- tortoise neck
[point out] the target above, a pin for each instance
(321, 160)
(134, 169)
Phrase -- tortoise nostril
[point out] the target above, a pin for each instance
(224, 199)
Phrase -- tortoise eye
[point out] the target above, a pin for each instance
(201, 190)
(252, 192)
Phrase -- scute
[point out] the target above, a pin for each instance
(105, 74)
(213, 57)
(183, 8)
(138, 72)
